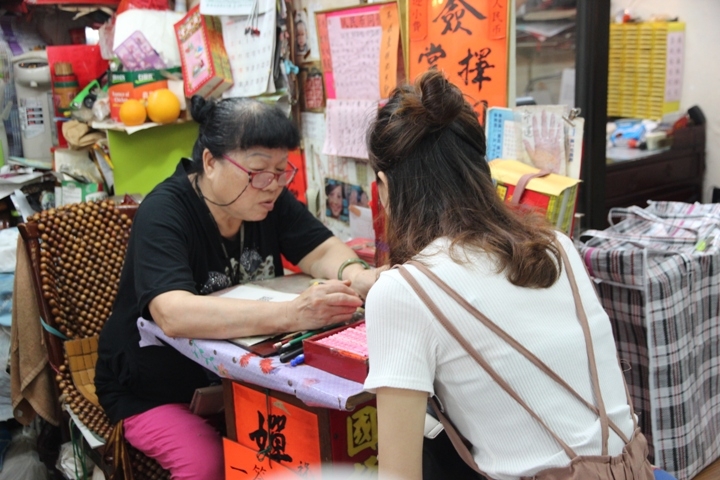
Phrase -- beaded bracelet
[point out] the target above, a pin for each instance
(350, 261)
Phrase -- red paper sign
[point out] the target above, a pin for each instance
(285, 434)
(418, 20)
(466, 43)
(498, 19)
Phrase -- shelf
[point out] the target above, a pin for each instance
(120, 127)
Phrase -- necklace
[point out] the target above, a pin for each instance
(234, 274)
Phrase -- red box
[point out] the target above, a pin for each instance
(339, 362)
(205, 64)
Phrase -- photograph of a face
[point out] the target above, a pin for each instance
(340, 197)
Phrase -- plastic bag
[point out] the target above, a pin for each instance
(22, 461)
(71, 466)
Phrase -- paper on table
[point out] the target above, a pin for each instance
(355, 56)
(346, 124)
(251, 56)
(253, 292)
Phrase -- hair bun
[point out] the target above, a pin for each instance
(200, 108)
(442, 101)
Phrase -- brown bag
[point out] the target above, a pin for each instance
(631, 464)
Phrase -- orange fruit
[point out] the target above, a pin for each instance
(163, 106)
(132, 112)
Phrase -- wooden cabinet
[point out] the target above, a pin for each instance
(673, 175)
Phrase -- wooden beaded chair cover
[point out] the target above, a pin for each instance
(76, 252)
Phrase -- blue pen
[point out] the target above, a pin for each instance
(297, 360)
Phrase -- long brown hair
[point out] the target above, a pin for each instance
(429, 143)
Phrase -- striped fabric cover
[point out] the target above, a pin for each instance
(658, 277)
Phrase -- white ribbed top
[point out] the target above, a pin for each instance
(410, 349)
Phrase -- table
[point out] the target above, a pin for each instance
(312, 386)
(280, 418)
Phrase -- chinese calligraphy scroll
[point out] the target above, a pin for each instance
(467, 39)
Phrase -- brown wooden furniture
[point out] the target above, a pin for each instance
(673, 175)
(76, 253)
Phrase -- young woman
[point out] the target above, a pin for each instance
(428, 151)
(222, 219)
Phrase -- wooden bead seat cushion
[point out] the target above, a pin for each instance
(77, 252)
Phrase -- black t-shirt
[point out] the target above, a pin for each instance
(175, 245)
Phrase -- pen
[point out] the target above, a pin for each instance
(308, 334)
(290, 354)
(297, 360)
(293, 342)
(287, 338)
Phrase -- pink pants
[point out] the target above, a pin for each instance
(181, 442)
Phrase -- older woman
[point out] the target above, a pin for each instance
(223, 218)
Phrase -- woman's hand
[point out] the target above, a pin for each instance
(362, 280)
(331, 301)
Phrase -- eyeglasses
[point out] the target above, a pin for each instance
(261, 180)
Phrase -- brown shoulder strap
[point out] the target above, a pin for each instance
(524, 351)
(590, 349)
(513, 343)
(478, 358)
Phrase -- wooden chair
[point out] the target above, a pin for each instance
(77, 252)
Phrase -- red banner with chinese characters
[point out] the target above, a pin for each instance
(277, 430)
(466, 39)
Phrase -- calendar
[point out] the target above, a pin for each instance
(501, 134)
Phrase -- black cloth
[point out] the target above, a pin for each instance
(441, 461)
(175, 245)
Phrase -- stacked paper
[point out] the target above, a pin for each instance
(645, 69)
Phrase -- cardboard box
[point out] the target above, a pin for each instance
(205, 64)
(555, 195)
(137, 85)
(343, 363)
(72, 191)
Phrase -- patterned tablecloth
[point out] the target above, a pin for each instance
(315, 387)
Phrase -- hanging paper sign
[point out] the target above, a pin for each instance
(418, 20)
(389, 48)
(325, 56)
(362, 46)
(498, 19)
(461, 43)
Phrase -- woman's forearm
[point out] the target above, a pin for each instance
(183, 314)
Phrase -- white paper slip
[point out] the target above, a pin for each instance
(253, 292)
(249, 341)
